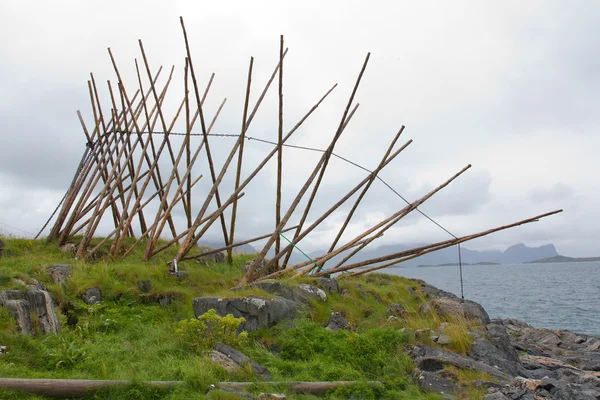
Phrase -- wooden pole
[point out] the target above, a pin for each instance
(432, 247)
(240, 157)
(280, 147)
(191, 240)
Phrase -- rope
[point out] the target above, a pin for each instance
(233, 135)
(84, 158)
(300, 250)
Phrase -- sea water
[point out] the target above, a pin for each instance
(553, 295)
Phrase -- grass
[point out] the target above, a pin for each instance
(129, 336)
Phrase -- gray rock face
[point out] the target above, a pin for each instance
(337, 322)
(435, 383)
(242, 360)
(497, 351)
(92, 296)
(432, 359)
(257, 311)
(59, 272)
(301, 294)
(34, 302)
(217, 257)
(329, 285)
(452, 307)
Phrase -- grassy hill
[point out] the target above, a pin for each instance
(130, 336)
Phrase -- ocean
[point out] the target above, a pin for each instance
(553, 295)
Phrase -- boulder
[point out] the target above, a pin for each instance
(329, 285)
(302, 293)
(494, 349)
(242, 360)
(70, 248)
(42, 306)
(217, 257)
(452, 307)
(435, 383)
(258, 312)
(444, 340)
(434, 359)
(22, 306)
(496, 396)
(337, 322)
(59, 272)
(92, 296)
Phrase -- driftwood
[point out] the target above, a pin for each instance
(81, 387)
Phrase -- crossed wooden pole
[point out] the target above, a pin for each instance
(132, 175)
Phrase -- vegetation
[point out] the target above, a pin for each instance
(130, 336)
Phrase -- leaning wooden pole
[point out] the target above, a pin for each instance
(327, 156)
(280, 147)
(432, 247)
(211, 165)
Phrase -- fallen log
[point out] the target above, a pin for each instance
(81, 387)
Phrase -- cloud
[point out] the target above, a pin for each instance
(511, 88)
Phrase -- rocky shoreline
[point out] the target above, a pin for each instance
(528, 363)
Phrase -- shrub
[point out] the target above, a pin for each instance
(204, 332)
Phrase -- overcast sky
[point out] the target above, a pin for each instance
(511, 87)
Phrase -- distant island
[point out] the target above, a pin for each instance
(561, 259)
(456, 264)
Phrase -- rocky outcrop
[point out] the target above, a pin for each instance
(337, 322)
(59, 272)
(528, 363)
(33, 303)
(217, 257)
(258, 312)
(302, 293)
(452, 307)
(231, 359)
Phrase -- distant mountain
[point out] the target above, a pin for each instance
(516, 254)
(559, 259)
(243, 249)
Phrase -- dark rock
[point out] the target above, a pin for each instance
(1, 248)
(411, 291)
(257, 311)
(92, 296)
(42, 306)
(434, 359)
(242, 360)
(181, 274)
(497, 352)
(452, 307)
(329, 285)
(434, 383)
(145, 286)
(496, 396)
(396, 310)
(337, 322)
(59, 272)
(591, 366)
